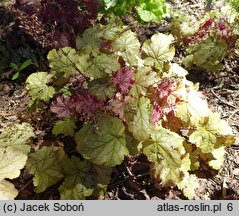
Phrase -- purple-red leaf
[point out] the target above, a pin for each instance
(83, 104)
(166, 87)
(123, 79)
(86, 104)
(61, 107)
(157, 113)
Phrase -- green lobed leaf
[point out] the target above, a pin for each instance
(188, 61)
(147, 16)
(120, 7)
(103, 65)
(112, 30)
(217, 159)
(82, 63)
(104, 145)
(167, 154)
(183, 25)
(144, 77)
(37, 87)
(11, 162)
(194, 155)
(17, 137)
(90, 41)
(82, 178)
(141, 125)
(151, 10)
(73, 186)
(176, 71)
(76, 192)
(158, 50)
(13, 154)
(46, 166)
(62, 61)
(203, 139)
(188, 109)
(188, 185)
(109, 3)
(65, 91)
(212, 133)
(127, 45)
(66, 126)
(101, 89)
(206, 55)
(7, 190)
(218, 126)
(133, 145)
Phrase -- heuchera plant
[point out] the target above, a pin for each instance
(130, 99)
(209, 42)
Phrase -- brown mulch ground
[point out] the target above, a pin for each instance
(131, 179)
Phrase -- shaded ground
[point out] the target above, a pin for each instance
(131, 179)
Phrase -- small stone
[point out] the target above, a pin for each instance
(237, 161)
(236, 172)
(6, 88)
(237, 140)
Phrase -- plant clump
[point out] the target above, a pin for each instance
(129, 99)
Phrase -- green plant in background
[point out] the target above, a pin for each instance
(147, 11)
(130, 99)
(18, 69)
